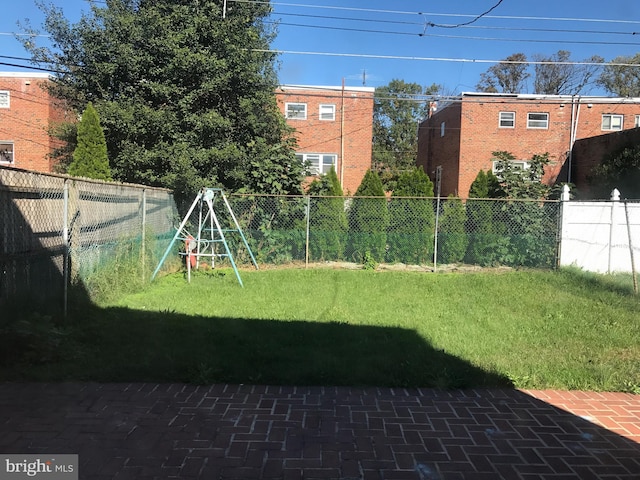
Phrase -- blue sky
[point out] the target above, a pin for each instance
(364, 30)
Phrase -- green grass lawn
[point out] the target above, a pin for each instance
(530, 329)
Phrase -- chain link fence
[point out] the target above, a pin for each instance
(483, 232)
(57, 231)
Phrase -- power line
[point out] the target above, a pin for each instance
(464, 37)
(470, 21)
(480, 27)
(441, 59)
(433, 14)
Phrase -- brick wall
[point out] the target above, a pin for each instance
(589, 152)
(435, 150)
(464, 154)
(350, 132)
(26, 122)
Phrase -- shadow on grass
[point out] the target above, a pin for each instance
(119, 344)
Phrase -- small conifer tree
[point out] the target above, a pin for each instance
(90, 156)
(328, 220)
(368, 220)
(411, 220)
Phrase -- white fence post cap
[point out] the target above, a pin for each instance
(615, 195)
(565, 193)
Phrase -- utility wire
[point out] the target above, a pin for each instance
(442, 59)
(479, 27)
(433, 14)
(463, 37)
(470, 21)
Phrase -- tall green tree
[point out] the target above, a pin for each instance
(411, 220)
(185, 91)
(90, 155)
(622, 80)
(398, 109)
(508, 76)
(368, 220)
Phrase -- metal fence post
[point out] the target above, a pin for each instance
(633, 262)
(306, 248)
(615, 198)
(65, 240)
(144, 233)
(435, 237)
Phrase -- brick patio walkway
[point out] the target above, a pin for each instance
(144, 431)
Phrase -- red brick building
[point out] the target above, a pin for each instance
(462, 135)
(26, 113)
(334, 127)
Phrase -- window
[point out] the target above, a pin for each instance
(442, 129)
(507, 119)
(296, 111)
(4, 99)
(6, 152)
(612, 122)
(637, 121)
(327, 112)
(320, 163)
(537, 120)
(516, 164)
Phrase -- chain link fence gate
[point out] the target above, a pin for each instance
(57, 231)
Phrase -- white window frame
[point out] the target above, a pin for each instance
(291, 112)
(505, 122)
(7, 153)
(637, 121)
(327, 112)
(608, 124)
(5, 99)
(317, 160)
(538, 123)
(521, 164)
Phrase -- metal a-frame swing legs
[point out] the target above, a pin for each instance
(203, 245)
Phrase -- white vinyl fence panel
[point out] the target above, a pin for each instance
(595, 236)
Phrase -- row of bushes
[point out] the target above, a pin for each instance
(399, 229)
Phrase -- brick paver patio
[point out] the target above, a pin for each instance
(144, 431)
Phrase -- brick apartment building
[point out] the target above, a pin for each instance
(334, 127)
(462, 135)
(26, 112)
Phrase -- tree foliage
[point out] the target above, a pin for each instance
(411, 220)
(396, 116)
(516, 182)
(623, 81)
(508, 76)
(328, 219)
(368, 219)
(557, 75)
(185, 96)
(452, 237)
(90, 155)
(620, 170)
